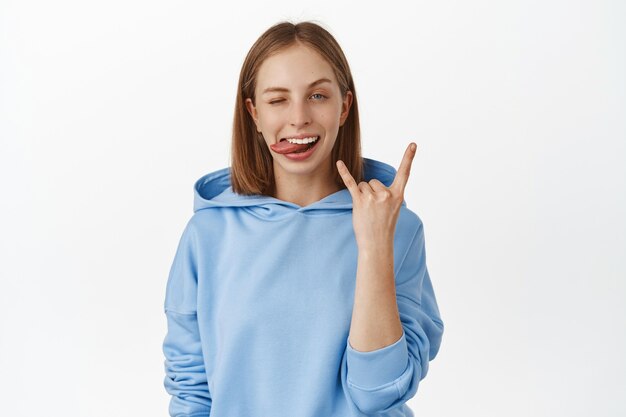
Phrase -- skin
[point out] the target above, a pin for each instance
(375, 208)
(322, 110)
(302, 109)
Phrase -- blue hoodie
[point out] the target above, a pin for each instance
(259, 303)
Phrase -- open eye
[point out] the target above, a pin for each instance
(319, 94)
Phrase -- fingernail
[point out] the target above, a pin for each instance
(413, 147)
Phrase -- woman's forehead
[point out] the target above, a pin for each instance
(294, 67)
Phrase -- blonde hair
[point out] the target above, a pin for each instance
(252, 170)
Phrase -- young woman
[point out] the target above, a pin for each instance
(299, 287)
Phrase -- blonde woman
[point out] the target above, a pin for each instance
(299, 287)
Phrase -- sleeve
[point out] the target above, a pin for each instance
(185, 379)
(383, 379)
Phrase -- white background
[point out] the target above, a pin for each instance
(111, 110)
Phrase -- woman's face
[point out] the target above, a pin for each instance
(297, 93)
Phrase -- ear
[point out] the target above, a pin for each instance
(252, 110)
(345, 107)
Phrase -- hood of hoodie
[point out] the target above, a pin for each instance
(214, 190)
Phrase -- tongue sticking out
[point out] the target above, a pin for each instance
(285, 146)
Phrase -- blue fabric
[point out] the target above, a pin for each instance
(259, 302)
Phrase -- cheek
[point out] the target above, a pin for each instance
(330, 117)
(329, 114)
(269, 120)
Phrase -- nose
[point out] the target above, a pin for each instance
(299, 115)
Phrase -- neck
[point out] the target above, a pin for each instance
(304, 189)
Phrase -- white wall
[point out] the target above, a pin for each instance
(109, 111)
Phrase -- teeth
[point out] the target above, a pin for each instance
(303, 140)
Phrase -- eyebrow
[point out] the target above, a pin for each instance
(283, 89)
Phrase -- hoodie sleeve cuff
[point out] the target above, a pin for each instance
(373, 369)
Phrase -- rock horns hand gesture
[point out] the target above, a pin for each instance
(375, 207)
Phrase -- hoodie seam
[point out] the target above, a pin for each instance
(182, 313)
(304, 213)
(408, 248)
(294, 212)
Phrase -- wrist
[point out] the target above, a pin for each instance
(376, 247)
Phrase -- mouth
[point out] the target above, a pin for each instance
(309, 142)
(295, 146)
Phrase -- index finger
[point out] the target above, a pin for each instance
(347, 178)
(402, 176)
